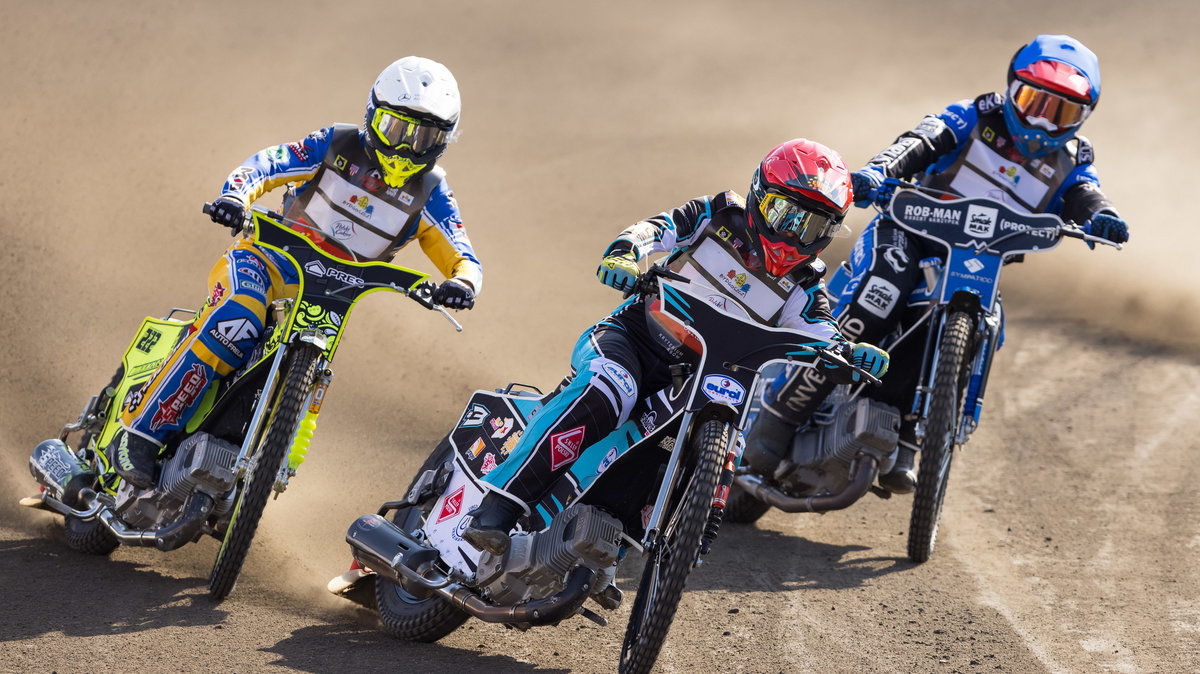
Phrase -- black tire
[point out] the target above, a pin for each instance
(404, 615)
(743, 508)
(281, 428)
(672, 558)
(90, 538)
(938, 449)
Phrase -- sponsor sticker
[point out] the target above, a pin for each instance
(607, 461)
(649, 422)
(489, 463)
(190, 387)
(973, 265)
(476, 447)
(717, 387)
(510, 443)
(501, 427)
(564, 447)
(621, 376)
(878, 296)
(406, 199)
(474, 417)
(451, 506)
(981, 221)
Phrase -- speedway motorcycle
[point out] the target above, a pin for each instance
(836, 456)
(250, 433)
(655, 486)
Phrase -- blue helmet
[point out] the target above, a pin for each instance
(1053, 85)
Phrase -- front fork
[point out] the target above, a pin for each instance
(987, 332)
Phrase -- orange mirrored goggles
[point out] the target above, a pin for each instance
(1035, 103)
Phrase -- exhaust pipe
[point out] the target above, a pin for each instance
(864, 474)
(387, 550)
(56, 467)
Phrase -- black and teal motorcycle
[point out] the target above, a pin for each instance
(250, 433)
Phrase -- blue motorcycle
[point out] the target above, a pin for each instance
(835, 457)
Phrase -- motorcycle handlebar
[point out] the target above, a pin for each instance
(833, 356)
(647, 282)
(1068, 228)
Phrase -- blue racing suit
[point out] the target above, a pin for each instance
(964, 150)
(337, 193)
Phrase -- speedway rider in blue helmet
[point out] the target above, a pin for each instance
(358, 193)
(1020, 148)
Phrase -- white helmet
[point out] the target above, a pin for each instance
(412, 114)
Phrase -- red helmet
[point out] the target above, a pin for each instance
(801, 192)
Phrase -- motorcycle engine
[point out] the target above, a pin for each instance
(201, 463)
(536, 564)
(823, 451)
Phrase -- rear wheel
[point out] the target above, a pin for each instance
(90, 538)
(256, 488)
(743, 508)
(402, 614)
(937, 451)
(672, 557)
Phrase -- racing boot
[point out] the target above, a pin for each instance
(133, 457)
(491, 523)
(902, 478)
(768, 443)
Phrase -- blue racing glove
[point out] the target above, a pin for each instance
(1107, 226)
(454, 294)
(619, 271)
(870, 358)
(862, 182)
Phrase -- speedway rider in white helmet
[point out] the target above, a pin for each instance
(369, 190)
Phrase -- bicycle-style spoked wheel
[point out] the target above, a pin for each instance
(937, 452)
(672, 557)
(256, 487)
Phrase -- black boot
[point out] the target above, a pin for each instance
(133, 457)
(768, 443)
(491, 523)
(901, 479)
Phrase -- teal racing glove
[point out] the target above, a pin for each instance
(870, 358)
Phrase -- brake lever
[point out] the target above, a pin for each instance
(831, 356)
(422, 294)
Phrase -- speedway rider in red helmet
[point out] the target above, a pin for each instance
(362, 192)
(1021, 148)
(764, 265)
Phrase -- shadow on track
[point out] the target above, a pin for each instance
(59, 590)
(328, 648)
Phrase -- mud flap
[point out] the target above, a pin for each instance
(150, 348)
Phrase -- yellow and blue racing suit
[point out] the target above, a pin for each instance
(337, 191)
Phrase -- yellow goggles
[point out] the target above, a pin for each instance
(397, 131)
(1043, 108)
(788, 218)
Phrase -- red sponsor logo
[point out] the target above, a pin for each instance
(218, 291)
(193, 384)
(564, 447)
(489, 464)
(452, 506)
(298, 150)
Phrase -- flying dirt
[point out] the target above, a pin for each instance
(1070, 533)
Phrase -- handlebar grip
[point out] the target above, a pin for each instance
(207, 210)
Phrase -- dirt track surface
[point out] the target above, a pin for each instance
(1071, 537)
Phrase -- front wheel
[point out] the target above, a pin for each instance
(402, 614)
(283, 420)
(938, 448)
(673, 555)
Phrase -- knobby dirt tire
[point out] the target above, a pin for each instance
(90, 538)
(671, 560)
(401, 614)
(938, 449)
(742, 508)
(282, 422)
